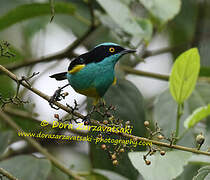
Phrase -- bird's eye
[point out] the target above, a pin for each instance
(111, 49)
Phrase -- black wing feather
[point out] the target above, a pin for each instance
(59, 76)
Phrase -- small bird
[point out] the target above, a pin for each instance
(92, 73)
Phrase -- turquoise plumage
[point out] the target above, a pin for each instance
(92, 73)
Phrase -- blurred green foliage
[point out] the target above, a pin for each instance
(134, 24)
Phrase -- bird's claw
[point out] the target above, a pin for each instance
(57, 96)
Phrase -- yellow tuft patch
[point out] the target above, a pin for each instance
(77, 68)
(115, 81)
(96, 101)
(90, 92)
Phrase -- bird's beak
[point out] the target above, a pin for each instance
(126, 51)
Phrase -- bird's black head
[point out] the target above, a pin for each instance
(99, 53)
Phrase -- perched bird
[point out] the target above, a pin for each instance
(92, 73)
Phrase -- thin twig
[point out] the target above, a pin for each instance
(149, 53)
(37, 146)
(20, 113)
(90, 4)
(7, 174)
(52, 8)
(178, 117)
(130, 70)
(94, 122)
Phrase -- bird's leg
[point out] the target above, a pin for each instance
(57, 96)
(93, 109)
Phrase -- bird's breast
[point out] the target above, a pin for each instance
(93, 80)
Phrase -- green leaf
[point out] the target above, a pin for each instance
(129, 105)
(184, 75)
(56, 174)
(72, 158)
(71, 22)
(204, 71)
(6, 88)
(28, 11)
(122, 16)
(164, 167)
(96, 176)
(182, 29)
(27, 167)
(202, 173)
(199, 159)
(147, 27)
(109, 174)
(163, 10)
(165, 115)
(165, 112)
(5, 138)
(197, 116)
(189, 172)
(6, 60)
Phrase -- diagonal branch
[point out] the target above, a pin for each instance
(37, 146)
(7, 174)
(94, 122)
(66, 53)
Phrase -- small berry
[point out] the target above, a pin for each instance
(122, 150)
(162, 153)
(115, 162)
(103, 146)
(86, 123)
(105, 122)
(200, 139)
(114, 156)
(160, 137)
(100, 136)
(56, 116)
(111, 118)
(65, 94)
(147, 162)
(146, 123)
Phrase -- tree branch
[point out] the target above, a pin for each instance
(66, 53)
(29, 116)
(7, 174)
(37, 146)
(20, 113)
(130, 70)
(90, 4)
(171, 49)
(94, 122)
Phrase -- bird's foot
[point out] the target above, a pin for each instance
(57, 96)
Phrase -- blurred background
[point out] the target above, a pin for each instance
(42, 36)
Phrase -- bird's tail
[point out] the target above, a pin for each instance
(59, 76)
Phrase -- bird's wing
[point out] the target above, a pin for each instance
(81, 61)
(59, 76)
(76, 65)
